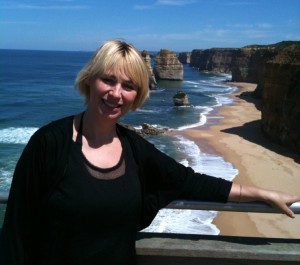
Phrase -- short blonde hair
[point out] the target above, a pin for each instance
(116, 56)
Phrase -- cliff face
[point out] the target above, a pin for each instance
(147, 59)
(281, 99)
(276, 70)
(184, 57)
(167, 66)
(249, 63)
(215, 60)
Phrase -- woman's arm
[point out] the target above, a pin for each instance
(279, 200)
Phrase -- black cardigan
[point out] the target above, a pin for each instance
(43, 163)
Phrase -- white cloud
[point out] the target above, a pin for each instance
(238, 3)
(43, 7)
(264, 25)
(175, 2)
(143, 7)
(15, 22)
(165, 3)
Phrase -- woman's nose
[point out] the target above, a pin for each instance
(116, 90)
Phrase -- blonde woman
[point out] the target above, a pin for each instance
(85, 185)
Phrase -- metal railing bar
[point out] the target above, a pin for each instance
(254, 207)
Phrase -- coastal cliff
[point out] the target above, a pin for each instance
(250, 61)
(275, 69)
(281, 99)
(147, 59)
(167, 66)
(184, 57)
(214, 60)
(248, 65)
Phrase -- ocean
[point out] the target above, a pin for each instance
(36, 87)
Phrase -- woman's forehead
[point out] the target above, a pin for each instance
(118, 73)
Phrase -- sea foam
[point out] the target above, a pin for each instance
(193, 221)
(13, 135)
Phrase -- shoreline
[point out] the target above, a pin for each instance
(236, 136)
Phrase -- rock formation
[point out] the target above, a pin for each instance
(184, 57)
(250, 61)
(147, 59)
(181, 99)
(167, 66)
(248, 65)
(214, 60)
(281, 99)
(276, 70)
(147, 129)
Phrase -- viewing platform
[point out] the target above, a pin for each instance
(187, 249)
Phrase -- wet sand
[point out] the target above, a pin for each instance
(234, 132)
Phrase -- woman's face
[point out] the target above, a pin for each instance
(111, 96)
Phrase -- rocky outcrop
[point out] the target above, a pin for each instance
(281, 99)
(214, 60)
(167, 66)
(147, 59)
(147, 129)
(181, 99)
(184, 57)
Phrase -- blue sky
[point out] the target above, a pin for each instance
(177, 25)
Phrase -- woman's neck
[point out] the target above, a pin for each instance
(97, 131)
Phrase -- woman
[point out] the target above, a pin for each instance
(85, 185)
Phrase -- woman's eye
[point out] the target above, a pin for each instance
(108, 81)
(128, 86)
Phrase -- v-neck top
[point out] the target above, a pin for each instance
(97, 172)
(97, 218)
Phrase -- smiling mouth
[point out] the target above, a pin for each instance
(111, 105)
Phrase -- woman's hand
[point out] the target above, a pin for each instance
(278, 200)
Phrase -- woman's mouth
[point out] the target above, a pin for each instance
(110, 104)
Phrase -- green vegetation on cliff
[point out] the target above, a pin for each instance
(295, 45)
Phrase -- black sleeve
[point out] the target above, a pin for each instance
(165, 174)
(36, 175)
(22, 204)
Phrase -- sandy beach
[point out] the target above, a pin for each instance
(238, 138)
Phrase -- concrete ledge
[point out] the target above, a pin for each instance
(157, 249)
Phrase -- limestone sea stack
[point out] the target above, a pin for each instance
(167, 66)
(181, 99)
(147, 59)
